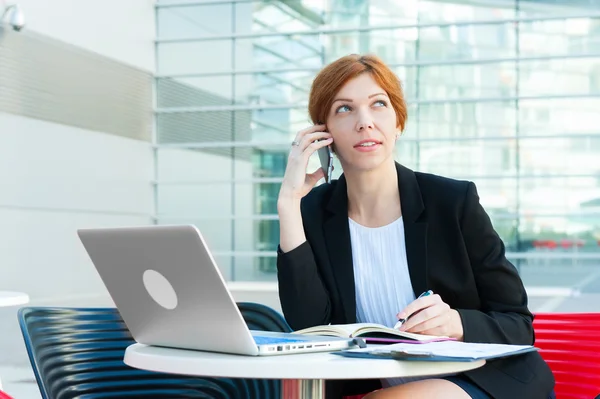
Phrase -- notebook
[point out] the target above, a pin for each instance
(370, 332)
(445, 351)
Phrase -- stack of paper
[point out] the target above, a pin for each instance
(439, 351)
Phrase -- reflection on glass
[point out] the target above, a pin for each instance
(512, 106)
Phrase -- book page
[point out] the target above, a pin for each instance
(340, 330)
(363, 330)
(367, 329)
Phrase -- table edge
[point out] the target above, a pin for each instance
(132, 359)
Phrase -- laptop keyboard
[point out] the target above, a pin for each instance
(261, 340)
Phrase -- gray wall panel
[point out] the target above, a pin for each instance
(46, 79)
(200, 127)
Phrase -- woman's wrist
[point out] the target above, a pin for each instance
(287, 202)
(457, 328)
(291, 229)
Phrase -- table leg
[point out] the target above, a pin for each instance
(303, 389)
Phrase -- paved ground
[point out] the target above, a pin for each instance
(552, 288)
(583, 282)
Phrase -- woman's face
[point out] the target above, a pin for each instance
(362, 123)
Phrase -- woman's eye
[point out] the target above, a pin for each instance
(343, 108)
(380, 103)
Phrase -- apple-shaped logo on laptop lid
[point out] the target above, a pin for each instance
(160, 289)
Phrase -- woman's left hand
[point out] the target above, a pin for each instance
(430, 315)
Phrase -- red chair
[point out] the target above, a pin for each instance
(570, 343)
(4, 395)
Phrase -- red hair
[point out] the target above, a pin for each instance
(330, 80)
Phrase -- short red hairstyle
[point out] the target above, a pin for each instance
(330, 80)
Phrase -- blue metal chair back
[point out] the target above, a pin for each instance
(77, 353)
(263, 318)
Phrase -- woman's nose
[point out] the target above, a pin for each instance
(365, 122)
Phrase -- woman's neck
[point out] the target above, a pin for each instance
(373, 196)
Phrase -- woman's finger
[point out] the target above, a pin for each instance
(308, 130)
(443, 329)
(315, 145)
(421, 317)
(310, 138)
(419, 304)
(431, 324)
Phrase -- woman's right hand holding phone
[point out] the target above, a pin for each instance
(297, 183)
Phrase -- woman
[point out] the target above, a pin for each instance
(362, 248)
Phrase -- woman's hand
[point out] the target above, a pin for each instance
(296, 182)
(430, 315)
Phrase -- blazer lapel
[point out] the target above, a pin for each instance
(415, 228)
(337, 239)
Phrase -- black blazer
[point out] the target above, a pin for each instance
(452, 249)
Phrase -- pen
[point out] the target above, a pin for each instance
(402, 321)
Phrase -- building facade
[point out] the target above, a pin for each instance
(504, 93)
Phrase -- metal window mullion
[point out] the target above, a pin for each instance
(274, 53)
(498, 60)
(278, 80)
(517, 134)
(177, 4)
(155, 133)
(568, 255)
(270, 144)
(257, 107)
(330, 31)
(277, 180)
(233, 155)
(273, 30)
(271, 217)
(417, 96)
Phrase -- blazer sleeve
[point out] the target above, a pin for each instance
(304, 298)
(504, 316)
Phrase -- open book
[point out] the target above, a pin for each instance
(370, 332)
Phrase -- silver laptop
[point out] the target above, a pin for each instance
(170, 292)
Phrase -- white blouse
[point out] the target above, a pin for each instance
(381, 276)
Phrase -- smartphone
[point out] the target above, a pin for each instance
(326, 158)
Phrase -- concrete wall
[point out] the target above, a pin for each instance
(75, 145)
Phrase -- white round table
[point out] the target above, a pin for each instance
(9, 298)
(303, 375)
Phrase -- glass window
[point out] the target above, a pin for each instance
(510, 105)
